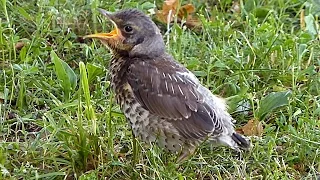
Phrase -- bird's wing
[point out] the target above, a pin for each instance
(168, 90)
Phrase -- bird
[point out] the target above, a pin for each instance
(162, 100)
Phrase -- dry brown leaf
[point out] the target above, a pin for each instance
(169, 10)
(253, 128)
(185, 10)
(193, 22)
(170, 4)
(299, 167)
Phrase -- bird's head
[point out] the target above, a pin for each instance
(134, 34)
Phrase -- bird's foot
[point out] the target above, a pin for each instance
(186, 154)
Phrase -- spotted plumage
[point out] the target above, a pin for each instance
(162, 100)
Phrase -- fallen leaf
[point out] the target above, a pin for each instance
(185, 10)
(193, 22)
(299, 167)
(253, 128)
(170, 4)
(170, 10)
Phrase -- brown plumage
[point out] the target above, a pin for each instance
(162, 100)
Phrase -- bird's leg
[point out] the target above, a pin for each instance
(186, 153)
(135, 155)
(135, 149)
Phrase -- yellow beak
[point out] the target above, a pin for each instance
(111, 35)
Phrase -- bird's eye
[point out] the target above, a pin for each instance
(128, 29)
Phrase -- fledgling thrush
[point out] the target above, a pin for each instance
(162, 100)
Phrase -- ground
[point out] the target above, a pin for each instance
(58, 118)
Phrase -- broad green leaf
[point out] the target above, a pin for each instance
(261, 12)
(65, 74)
(93, 71)
(305, 38)
(310, 25)
(271, 102)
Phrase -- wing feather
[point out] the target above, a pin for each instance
(166, 89)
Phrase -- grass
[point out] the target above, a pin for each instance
(58, 119)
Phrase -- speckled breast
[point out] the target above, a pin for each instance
(145, 125)
(138, 117)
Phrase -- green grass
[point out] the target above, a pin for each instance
(58, 119)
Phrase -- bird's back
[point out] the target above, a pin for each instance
(165, 102)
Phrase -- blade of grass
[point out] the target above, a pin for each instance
(89, 110)
(109, 124)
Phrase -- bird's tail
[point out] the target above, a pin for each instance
(241, 141)
(235, 141)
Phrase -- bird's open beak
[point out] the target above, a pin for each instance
(113, 34)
